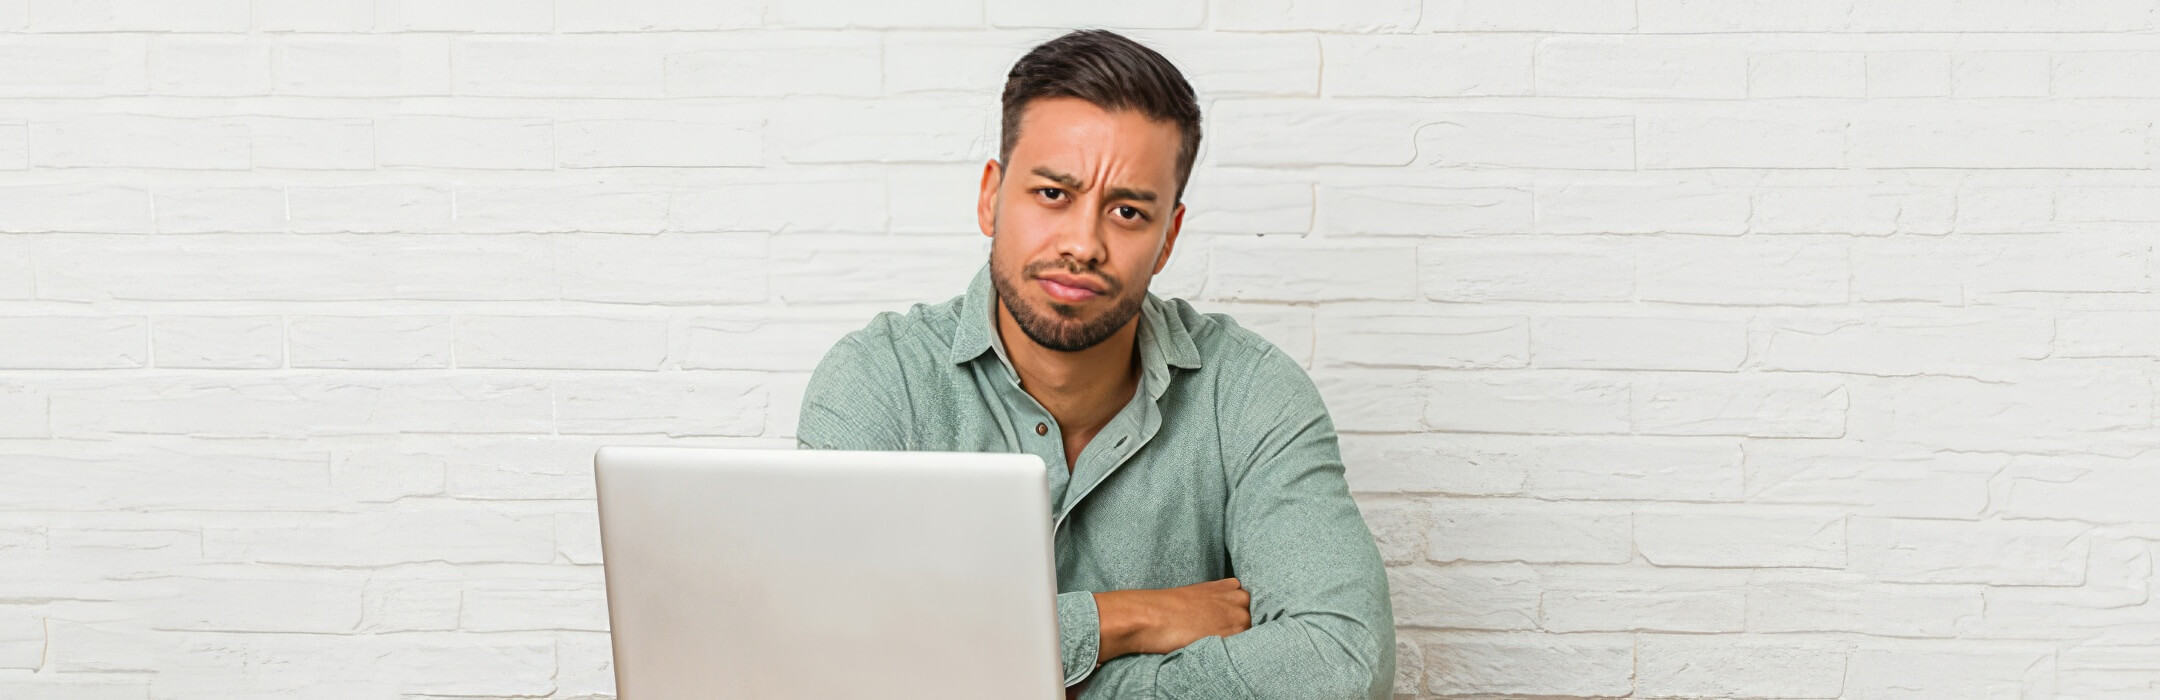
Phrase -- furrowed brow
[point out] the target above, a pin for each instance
(1058, 177)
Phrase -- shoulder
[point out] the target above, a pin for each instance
(892, 342)
(1231, 350)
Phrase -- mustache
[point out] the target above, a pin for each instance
(1113, 284)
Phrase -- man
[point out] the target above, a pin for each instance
(1206, 542)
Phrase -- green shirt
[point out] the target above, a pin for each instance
(1223, 464)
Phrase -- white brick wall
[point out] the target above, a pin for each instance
(1681, 348)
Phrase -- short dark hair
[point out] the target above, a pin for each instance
(1111, 72)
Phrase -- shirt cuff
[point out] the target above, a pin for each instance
(1079, 634)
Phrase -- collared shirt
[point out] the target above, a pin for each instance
(1222, 464)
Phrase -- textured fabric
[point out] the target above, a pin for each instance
(1223, 464)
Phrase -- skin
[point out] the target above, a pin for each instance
(1090, 196)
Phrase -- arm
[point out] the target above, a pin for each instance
(855, 401)
(1323, 627)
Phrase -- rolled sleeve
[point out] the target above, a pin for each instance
(1079, 634)
(1322, 625)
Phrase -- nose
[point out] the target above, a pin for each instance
(1080, 236)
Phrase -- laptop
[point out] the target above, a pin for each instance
(784, 574)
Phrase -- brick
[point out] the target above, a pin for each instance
(1430, 463)
(314, 15)
(111, 478)
(139, 141)
(140, 15)
(75, 342)
(1704, 16)
(1996, 141)
(829, 270)
(86, 65)
(1743, 271)
(510, 608)
(1729, 141)
(667, 269)
(1547, 16)
(1892, 345)
(1638, 343)
(1999, 16)
(1867, 211)
(764, 341)
(577, 537)
(1731, 539)
(22, 637)
(371, 342)
(15, 271)
(584, 664)
(1665, 206)
(390, 65)
(1629, 599)
(819, 64)
(1413, 210)
(1404, 336)
(1632, 67)
(1807, 74)
(369, 208)
(654, 15)
(561, 342)
(1249, 270)
(1481, 597)
(1220, 64)
(1868, 479)
(882, 131)
(2000, 74)
(2098, 205)
(466, 15)
(303, 405)
(1879, 673)
(601, 204)
(1996, 552)
(1785, 666)
(706, 404)
(1529, 532)
(1125, 14)
(973, 62)
(2079, 74)
(575, 66)
(1908, 74)
(520, 469)
(1359, 65)
(186, 65)
(1398, 527)
(1256, 132)
(385, 475)
(281, 268)
(259, 209)
(1220, 203)
(823, 203)
(1956, 412)
(848, 13)
(1526, 269)
(1539, 403)
(15, 146)
(74, 687)
(1530, 664)
(1501, 140)
(255, 602)
(219, 342)
(1753, 405)
(658, 143)
(1997, 209)
(1374, 16)
(464, 142)
(462, 536)
(23, 412)
(1851, 603)
(75, 207)
(313, 144)
(1373, 399)
(2092, 334)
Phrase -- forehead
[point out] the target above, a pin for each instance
(1076, 136)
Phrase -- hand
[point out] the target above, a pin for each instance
(1160, 621)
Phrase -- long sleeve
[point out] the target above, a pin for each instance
(1323, 627)
(856, 402)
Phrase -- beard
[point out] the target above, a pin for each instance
(1060, 327)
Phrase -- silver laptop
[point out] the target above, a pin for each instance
(782, 574)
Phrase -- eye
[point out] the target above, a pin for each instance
(1129, 213)
(1050, 193)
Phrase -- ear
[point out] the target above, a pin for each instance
(1177, 221)
(986, 200)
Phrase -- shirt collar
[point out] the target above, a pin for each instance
(1164, 341)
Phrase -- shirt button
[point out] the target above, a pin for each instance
(1042, 429)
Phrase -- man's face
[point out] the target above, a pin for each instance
(1080, 219)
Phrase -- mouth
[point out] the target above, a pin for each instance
(1068, 288)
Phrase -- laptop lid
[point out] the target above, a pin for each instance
(822, 574)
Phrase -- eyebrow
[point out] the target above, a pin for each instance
(1074, 183)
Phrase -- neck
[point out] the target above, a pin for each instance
(1081, 389)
